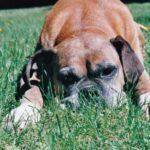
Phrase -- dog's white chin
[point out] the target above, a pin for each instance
(116, 100)
(22, 116)
(114, 97)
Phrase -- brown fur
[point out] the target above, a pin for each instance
(69, 18)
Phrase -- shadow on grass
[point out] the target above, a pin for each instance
(9, 4)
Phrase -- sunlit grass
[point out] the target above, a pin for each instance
(87, 128)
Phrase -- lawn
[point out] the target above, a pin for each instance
(89, 128)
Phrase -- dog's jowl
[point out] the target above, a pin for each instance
(84, 45)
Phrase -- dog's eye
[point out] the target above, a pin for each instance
(104, 71)
(67, 77)
(108, 71)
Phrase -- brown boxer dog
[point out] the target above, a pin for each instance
(84, 44)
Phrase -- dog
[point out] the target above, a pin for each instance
(84, 44)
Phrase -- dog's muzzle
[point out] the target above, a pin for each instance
(88, 91)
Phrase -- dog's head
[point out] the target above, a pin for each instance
(81, 64)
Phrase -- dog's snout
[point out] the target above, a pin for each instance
(89, 93)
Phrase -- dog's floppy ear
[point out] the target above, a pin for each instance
(40, 57)
(42, 60)
(131, 64)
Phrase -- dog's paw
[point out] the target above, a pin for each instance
(21, 117)
(144, 103)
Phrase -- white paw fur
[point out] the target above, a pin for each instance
(22, 116)
(144, 103)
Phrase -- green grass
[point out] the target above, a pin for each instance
(89, 128)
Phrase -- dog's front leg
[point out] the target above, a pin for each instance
(31, 100)
(143, 92)
(29, 90)
(28, 111)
